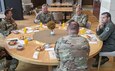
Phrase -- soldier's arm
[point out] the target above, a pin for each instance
(83, 21)
(49, 18)
(3, 28)
(99, 29)
(56, 49)
(107, 32)
(85, 46)
(70, 19)
(88, 47)
(98, 32)
(37, 18)
(14, 23)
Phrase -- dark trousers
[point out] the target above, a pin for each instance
(7, 56)
(11, 62)
(104, 49)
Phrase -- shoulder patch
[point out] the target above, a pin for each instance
(107, 28)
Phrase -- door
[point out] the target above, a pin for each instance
(96, 8)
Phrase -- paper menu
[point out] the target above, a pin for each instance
(91, 38)
(35, 55)
(52, 55)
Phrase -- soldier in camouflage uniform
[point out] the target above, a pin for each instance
(72, 50)
(8, 24)
(79, 17)
(44, 16)
(106, 33)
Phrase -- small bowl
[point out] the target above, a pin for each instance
(46, 45)
(20, 47)
(29, 39)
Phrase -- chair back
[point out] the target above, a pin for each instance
(107, 53)
(58, 16)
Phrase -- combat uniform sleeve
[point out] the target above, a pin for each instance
(87, 47)
(83, 21)
(106, 32)
(48, 18)
(37, 18)
(14, 23)
(3, 29)
(98, 32)
(56, 49)
(71, 19)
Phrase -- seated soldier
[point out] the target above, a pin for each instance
(106, 32)
(72, 50)
(11, 63)
(7, 24)
(80, 17)
(44, 16)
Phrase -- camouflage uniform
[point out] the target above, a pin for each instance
(82, 19)
(44, 17)
(72, 52)
(7, 25)
(11, 62)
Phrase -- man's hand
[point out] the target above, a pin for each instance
(100, 26)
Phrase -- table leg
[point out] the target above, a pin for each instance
(49, 68)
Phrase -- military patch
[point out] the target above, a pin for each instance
(107, 28)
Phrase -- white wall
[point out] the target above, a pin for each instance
(108, 6)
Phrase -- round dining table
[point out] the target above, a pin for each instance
(39, 39)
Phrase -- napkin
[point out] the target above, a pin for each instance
(35, 55)
(52, 55)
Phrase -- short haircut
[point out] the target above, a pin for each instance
(45, 5)
(79, 7)
(7, 11)
(73, 26)
(107, 14)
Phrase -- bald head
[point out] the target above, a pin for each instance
(73, 27)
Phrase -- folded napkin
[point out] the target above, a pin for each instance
(52, 55)
(35, 55)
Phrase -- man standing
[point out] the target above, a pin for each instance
(106, 33)
(44, 16)
(8, 24)
(72, 50)
(80, 17)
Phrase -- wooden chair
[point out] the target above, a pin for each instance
(58, 16)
